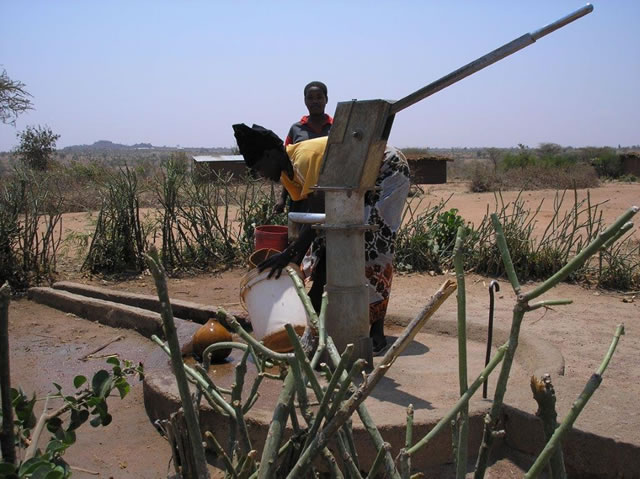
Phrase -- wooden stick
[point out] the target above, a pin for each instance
(87, 471)
(100, 348)
(191, 419)
(545, 396)
(372, 379)
(462, 424)
(576, 409)
(7, 439)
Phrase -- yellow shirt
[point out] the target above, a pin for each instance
(306, 158)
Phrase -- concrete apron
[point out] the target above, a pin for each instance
(425, 376)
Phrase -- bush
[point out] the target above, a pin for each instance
(425, 243)
(31, 206)
(533, 176)
(120, 239)
(484, 178)
(37, 145)
(606, 162)
(539, 176)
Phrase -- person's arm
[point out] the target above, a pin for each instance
(281, 202)
(295, 252)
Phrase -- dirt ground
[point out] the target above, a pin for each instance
(46, 345)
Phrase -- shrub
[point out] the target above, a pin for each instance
(539, 176)
(521, 159)
(483, 178)
(628, 178)
(120, 238)
(31, 206)
(425, 242)
(618, 266)
(605, 161)
(209, 224)
(37, 145)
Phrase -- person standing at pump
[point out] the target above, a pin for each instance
(298, 167)
(314, 125)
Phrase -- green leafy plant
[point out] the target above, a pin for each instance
(425, 242)
(88, 403)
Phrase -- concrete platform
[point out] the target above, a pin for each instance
(425, 375)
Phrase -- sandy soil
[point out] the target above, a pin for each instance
(46, 344)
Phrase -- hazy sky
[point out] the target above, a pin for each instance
(182, 72)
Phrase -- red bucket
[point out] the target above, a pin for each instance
(271, 236)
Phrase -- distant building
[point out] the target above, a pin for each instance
(428, 169)
(208, 167)
(630, 163)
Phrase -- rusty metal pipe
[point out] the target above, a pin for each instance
(486, 60)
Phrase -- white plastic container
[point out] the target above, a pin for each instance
(271, 304)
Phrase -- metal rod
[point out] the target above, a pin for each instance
(486, 60)
(307, 218)
(494, 285)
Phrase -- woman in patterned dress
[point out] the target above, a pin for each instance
(298, 167)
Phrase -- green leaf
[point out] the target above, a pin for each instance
(78, 418)
(55, 447)
(55, 474)
(101, 407)
(113, 360)
(98, 382)
(106, 419)
(43, 471)
(57, 386)
(79, 381)
(30, 466)
(123, 388)
(54, 424)
(68, 438)
(96, 421)
(24, 408)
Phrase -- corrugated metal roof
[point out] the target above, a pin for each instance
(209, 158)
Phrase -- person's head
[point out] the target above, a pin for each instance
(263, 151)
(315, 97)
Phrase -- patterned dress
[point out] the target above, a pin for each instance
(383, 208)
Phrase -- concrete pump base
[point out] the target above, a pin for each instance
(425, 375)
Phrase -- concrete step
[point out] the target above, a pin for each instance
(110, 313)
(199, 313)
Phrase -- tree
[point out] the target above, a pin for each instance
(494, 154)
(37, 144)
(549, 149)
(14, 99)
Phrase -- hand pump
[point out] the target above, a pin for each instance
(355, 150)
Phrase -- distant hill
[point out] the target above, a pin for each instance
(104, 146)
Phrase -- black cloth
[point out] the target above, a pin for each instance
(254, 141)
